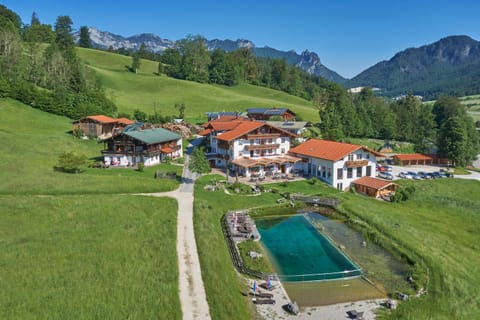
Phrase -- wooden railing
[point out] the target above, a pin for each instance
(262, 146)
(354, 164)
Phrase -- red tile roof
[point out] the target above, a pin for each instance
(125, 121)
(241, 129)
(102, 119)
(325, 149)
(412, 156)
(371, 182)
(205, 132)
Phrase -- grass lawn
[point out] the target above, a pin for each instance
(148, 92)
(75, 245)
(88, 257)
(33, 140)
(439, 224)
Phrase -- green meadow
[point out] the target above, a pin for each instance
(78, 245)
(439, 225)
(151, 93)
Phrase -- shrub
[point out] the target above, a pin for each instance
(70, 162)
(140, 167)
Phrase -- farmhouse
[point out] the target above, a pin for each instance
(266, 113)
(100, 126)
(336, 163)
(248, 147)
(135, 144)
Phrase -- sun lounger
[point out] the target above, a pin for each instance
(264, 301)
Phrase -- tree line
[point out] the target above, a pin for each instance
(39, 67)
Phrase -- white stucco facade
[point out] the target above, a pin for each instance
(340, 173)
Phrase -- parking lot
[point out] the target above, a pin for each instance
(424, 168)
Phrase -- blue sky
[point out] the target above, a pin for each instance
(349, 36)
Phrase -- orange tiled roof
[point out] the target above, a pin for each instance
(205, 132)
(224, 125)
(125, 121)
(325, 149)
(101, 118)
(371, 182)
(412, 156)
(241, 129)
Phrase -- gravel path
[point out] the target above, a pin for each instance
(192, 292)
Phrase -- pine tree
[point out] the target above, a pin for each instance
(84, 41)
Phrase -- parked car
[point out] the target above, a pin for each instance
(388, 168)
(414, 175)
(424, 175)
(405, 175)
(385, 175)
(381, 169)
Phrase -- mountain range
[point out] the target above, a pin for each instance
(448, 66)
(307, 60)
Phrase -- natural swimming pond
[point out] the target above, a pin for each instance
(301, 252)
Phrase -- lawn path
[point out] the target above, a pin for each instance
(192, 291)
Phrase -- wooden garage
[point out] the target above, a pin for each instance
(374, 187)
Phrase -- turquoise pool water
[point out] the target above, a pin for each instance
(301, 253)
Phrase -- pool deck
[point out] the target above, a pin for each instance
(242, 227)
(337, 311)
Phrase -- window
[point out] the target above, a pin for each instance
(369, 170)
(324, 172)
(339, 174)
(349, 173)
(350, 157)
(367, 156)
(340, 186)
(359, 156)
(329, 173)
(359, 172)
(252, 141)
(284, 139)
(283, 150)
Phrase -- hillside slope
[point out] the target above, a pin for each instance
(308, 61)
(448, 66)
(149, 92)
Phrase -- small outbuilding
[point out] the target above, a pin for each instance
(374, 187)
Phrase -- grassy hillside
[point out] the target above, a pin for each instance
(146, 91)
(437, 224)
(75, 245)
(88, 257)
(32, 143)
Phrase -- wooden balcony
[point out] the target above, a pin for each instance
(262, 146)
(263, 136)
(354, 164)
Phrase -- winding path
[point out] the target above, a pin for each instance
(192, 292)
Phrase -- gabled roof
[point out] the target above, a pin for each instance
(374, 183)
(125, 121)
(412, 156)
(241, 129)
(152, 136)
(101, 118)
(326, 149)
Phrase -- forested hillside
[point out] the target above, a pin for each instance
(449, 66)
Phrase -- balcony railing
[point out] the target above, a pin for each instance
(263, 136)
(354, 164)
(262, 146)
